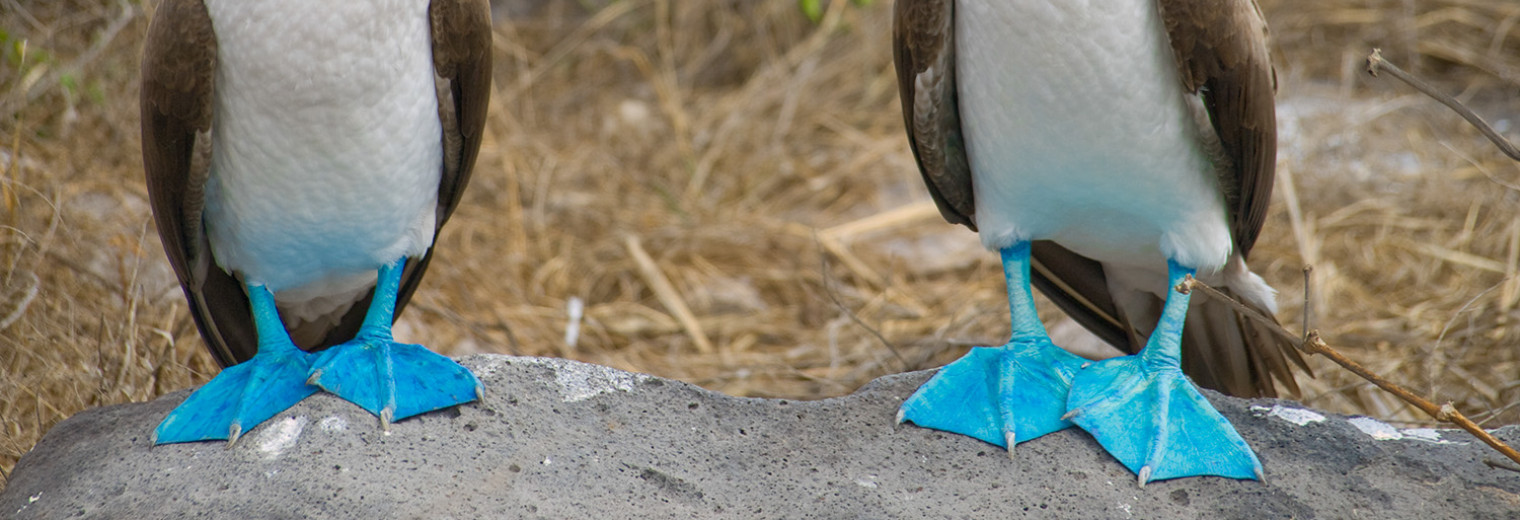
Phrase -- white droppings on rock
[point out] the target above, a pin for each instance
(1382, 431)
(582, 381)
(1376, 429)
(333, 423)
(1427, 435)
(868, 481)
(280, 436)
(577, 381)
(1298, 416)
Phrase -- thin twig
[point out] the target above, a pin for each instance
(1276, 328)
(1313, 344)
(18, 297)
(1445, 412)
(828, 288)
(476, 329)
(1308, 300)
(836, 248)
(1376, 64)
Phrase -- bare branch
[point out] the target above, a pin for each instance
(1376, 64)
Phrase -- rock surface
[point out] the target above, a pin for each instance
(561, 439)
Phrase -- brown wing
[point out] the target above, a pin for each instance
(178, 76)
(1221, 51)
(924, 48)
(462, 62)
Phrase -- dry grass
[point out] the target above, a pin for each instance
(759, 161)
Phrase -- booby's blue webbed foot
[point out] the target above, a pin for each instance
(1002, 395)
(392, 380)
(1151, 417)
(248, 393)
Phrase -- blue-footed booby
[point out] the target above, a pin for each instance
(1107, 150)
(301, 158)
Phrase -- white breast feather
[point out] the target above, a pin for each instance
(327, 149)
(1078, 131)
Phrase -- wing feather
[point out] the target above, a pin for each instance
(178, 81)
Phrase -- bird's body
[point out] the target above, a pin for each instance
(1102, 126)
(327, 162)
(1108, 150)
(300, 159)
(1105, 126)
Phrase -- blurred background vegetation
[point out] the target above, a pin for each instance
(757, 158)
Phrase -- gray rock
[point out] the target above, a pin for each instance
(561, 439)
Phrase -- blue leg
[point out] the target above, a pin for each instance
(392, 380)
(248, 393)
(1150, 416)
(1002, 395)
